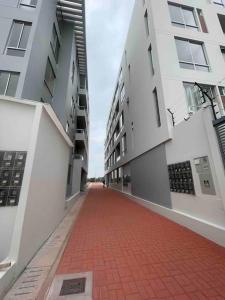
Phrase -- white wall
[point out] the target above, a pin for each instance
(42, 200)
(15, 132)
(193, 139)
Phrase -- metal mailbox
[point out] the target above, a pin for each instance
(181, 179)
(12, 164)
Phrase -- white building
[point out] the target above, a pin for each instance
(162, 144)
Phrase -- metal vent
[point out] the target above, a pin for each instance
(220, 130)
(73, 286)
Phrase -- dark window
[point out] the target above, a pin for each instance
(55, 44)
(151, 60)
(73, 71)
(49, 77)
(156, 104)
(146, 22)
(18, 38)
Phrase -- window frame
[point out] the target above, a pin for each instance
(10, 73)
(184, 25)
(20, 4)
(195, 65)
(17, 48)
(54, 44)
(51, 92)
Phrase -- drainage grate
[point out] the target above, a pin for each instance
(73, 286)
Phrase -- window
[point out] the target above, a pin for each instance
(121, 120)
(183, 16)
(18, 38)
(194, 96)
(120, 77)
(122, 93)
(67, 127)
(146, 22)
(8, 83)
(219, 2)
(191, 55)
(156, 104)
(82, 82)
(55, 44)
(151, 59)
(222, 22)
(27, 4)
(202, 21)
(222, 48)
(129, 72)
(49, 77)
(73, 71)
(124, 144)
(222, 94)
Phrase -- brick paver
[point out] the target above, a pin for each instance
(137, 254)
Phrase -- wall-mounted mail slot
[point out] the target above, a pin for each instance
(12, 164)
(181, 179)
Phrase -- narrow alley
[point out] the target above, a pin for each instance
(136, 254)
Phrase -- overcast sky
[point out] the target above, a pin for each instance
(107, 26)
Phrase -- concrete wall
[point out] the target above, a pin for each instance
(193, 139)
(42, 203)
(15, 132)
(149, 177)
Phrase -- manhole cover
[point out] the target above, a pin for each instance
(73, 286)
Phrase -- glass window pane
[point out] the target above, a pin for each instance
(189, 17)
(15, 34)
(183, 50)
(15, 52)
(11, 90)
(176, 14)
(25, 36)
(198, 54)
(187, 66)
(29, 2)
(3, 82)
(49, 77)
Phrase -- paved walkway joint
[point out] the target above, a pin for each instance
(136, 254)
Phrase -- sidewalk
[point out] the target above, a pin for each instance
(136, 254)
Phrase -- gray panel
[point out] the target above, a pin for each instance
(149, 177)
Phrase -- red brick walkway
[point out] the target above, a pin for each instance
(136, 254)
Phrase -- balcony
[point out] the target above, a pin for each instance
(82, 113)
(81, 136)
(83, 98)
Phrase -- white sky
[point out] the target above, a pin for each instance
(107, 26)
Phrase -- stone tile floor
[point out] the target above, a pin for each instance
(136, 254)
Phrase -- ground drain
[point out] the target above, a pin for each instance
(76, 286)
(73, 286)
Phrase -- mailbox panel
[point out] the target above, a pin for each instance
(181, 179)
(205, 175)
(12, 164)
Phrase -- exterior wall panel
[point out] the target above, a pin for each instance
(149, 176)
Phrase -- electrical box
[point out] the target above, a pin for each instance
(181, 179)
(205, 175)
(12, 164)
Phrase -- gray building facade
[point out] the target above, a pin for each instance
(43, 58)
